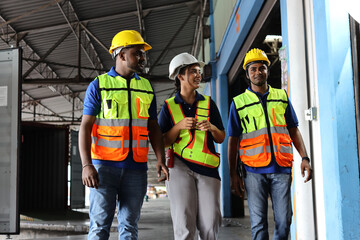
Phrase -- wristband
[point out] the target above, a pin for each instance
(305, 158)
(88, 164)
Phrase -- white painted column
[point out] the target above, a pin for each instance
(315, 124)
(302, 192)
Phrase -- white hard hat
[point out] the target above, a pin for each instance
(181, 60)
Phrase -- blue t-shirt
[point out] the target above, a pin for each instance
(235, 130)
(92, 105)
(166, 123)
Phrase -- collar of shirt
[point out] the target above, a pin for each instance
(113, 73)
(262, 97)
(179, 100)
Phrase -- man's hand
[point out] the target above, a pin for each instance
(90, 177)
(305, 166)
(237, 185)
(160, 167)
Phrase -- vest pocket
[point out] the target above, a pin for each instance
(109, 108)
(142, 106)
(284, 150)
(278, 116)
(255, 152)
(251, 120)
(122, 108)
(141, 145)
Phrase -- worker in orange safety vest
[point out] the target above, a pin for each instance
(262, 129)
(119, 119)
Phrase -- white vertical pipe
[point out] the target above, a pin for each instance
(316, 137)
(302, 192)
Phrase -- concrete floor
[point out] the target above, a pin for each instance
(155, 223)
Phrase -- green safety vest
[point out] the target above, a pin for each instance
(191, 145)
(123, 119)
(264, 131)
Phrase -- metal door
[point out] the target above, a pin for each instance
(10, 70)
(77, 193)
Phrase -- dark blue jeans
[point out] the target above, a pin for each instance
(258, 188)
(124, 188)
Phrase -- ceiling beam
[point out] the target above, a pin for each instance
(28, 13)
(42, 107)
(84, 81)
(111, 17)
(51, 96)
(140, 18)
(28, 52)
(94, 37)
(170, 42)
(69, 13)
(57, 81)
(66, 65)
(42, 69)
(47, 54)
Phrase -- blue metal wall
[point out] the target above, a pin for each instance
(337, 120)
(336, 108)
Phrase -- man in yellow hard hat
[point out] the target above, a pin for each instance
(119, 117)
(262, 127)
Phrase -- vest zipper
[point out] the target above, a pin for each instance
(130, 114)
(268, 126)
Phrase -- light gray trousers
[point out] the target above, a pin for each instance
(194, 203)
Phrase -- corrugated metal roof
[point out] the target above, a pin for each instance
(46, 37)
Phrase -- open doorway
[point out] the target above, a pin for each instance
(265, 34)
(267, 38)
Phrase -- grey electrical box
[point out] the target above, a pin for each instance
(10, 87)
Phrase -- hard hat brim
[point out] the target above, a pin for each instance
(146, 47)
(176, 72)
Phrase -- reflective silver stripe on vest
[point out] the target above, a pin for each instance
(120, 122)
(258, 150)
(255, 151)
(286, 149)
(93, 139)
(118, 144)
(139, 122)
(112, 144)
(263, 131)
(142, 143)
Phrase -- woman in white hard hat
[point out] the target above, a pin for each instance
(191, 123)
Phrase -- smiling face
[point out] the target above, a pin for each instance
(257, 73)
(191, 77)
(135, 58)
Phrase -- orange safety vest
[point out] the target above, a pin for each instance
(264, 130)
(123, 119)
(191, 145)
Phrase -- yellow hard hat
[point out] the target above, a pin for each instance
(254, 55)
(128, 38)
